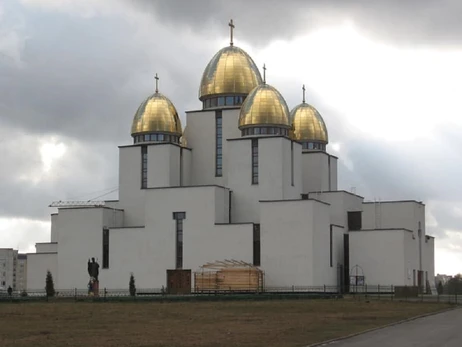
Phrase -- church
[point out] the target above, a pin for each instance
(246, 183)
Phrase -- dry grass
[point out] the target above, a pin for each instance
(206, 324)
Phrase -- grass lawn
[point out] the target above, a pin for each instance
(206, 324)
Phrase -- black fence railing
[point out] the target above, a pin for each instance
(366, 292)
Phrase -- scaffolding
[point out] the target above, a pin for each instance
(228, 276)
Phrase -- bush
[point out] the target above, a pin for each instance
(131, 285)
(50, 286)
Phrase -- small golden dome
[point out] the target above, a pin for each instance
(308, 124)
(231, 71)
(156, 114)
(264, 106)
(184, 140)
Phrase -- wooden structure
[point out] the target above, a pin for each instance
(228, 275)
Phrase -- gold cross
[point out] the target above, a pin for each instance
(157, 83)
(303, 88)
(231, 28)
(264, 73)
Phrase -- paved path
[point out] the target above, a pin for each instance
(441, 330)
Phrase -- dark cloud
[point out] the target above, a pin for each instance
(409, 22)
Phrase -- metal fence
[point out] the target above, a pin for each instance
(366, 292)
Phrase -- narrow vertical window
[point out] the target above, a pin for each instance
(256, 245)
(218, 144)
(330, 245)
(105, 248)
(144, 167)
(292, 163)
(254, 161)
(179, 217)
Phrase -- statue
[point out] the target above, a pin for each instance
(93, 272)
(93, 269)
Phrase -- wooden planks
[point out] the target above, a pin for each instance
(230, 275)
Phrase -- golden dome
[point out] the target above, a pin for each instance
(231, 71)
(156, 114)
(264, 106)
(308, 124)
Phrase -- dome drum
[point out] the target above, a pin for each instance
(156, 137)
(265, 130)
(224, 101)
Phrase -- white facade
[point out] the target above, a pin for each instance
(8, 264)
(202, 203)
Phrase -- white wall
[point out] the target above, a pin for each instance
(333, 172)
(338, 245)
(186, 166)
(381, 255)
(319, 171)
(163, 165)
(150, 251)
(46, 247)
(274, 175)
(80, 238)
(131, 196)
(429, 259)
(323, 272)
(398, 214)
(201, 135)
(37, 267)
(394, 214)
(341, 203)
(54, 230)
(295, 243)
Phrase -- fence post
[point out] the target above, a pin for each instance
(324, 289)
(378, 290)
(75, 294)
(392, 292)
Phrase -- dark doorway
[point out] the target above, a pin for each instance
(178, 281)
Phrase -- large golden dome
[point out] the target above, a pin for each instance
(308, 125)
(231, 71)
(264, 106)
(156, 114)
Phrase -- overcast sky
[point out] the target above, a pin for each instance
(385, 77)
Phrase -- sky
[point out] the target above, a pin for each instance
(384, 75)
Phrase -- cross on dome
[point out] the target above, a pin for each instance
(157, 83)
(231, 29)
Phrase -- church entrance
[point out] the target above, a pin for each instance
(179, 281)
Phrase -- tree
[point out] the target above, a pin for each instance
(50, 287)
(131, 285)
(440, 288)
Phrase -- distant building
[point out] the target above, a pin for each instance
(8, 264)
(21, 272)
